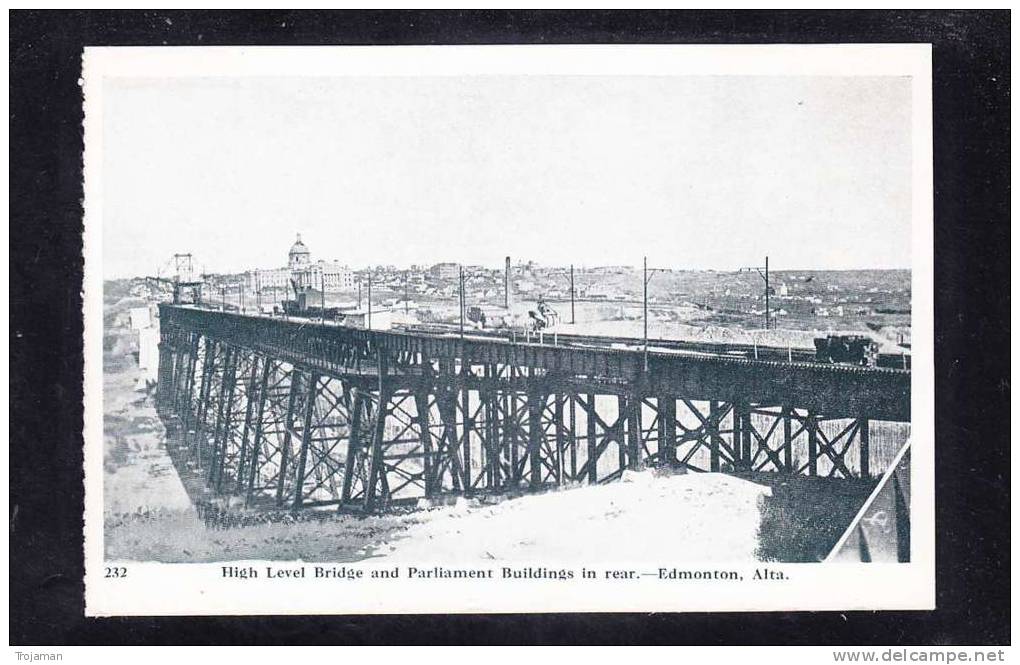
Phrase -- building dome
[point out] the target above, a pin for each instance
(299, 247)
(299, 254)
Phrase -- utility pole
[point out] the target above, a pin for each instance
(647, 277)
(763, 272)
(572, 319)
(369, 320)
(258, 292)
(644, 281)
(359, 293)
(506, 284)
(406, 278)
(322, 295)
(462, 301)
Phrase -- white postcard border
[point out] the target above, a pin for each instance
(200, 589)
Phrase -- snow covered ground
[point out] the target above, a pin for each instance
(138, 473)
(648, 517)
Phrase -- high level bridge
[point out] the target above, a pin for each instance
(295, 413)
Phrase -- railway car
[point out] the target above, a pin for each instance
(846, 349)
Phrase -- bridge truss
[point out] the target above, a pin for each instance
(296, 414)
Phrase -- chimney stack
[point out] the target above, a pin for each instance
(506, 285)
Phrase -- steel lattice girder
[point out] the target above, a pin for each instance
(371, 426)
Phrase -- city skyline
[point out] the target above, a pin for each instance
(166, 268)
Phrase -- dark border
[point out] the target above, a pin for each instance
(971, 122)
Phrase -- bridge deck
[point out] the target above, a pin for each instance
(344, 352)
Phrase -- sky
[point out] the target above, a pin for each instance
(695, 172)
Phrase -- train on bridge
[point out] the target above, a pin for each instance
(831, 349)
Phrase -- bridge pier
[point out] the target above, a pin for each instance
(864, 432)
(355, 448)
(536, 434)
(593, 450)
(667, 430)
(787, 439)
(812, 429)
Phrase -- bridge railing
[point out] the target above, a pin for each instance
(880, 393)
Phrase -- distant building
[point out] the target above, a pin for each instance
(278, 278)
(140, 318)
(148, 352)
(445, 271)
(378, 319)
(330, 275)
(327, 275)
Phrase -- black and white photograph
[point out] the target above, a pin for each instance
(595, 317)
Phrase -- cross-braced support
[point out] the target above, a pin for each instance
(291, 423)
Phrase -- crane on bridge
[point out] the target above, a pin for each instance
(300, 305)
(543, 316)
(186, 289)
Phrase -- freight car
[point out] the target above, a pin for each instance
(846, 349)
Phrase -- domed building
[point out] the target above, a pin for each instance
(328, 275)
(299, 257)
